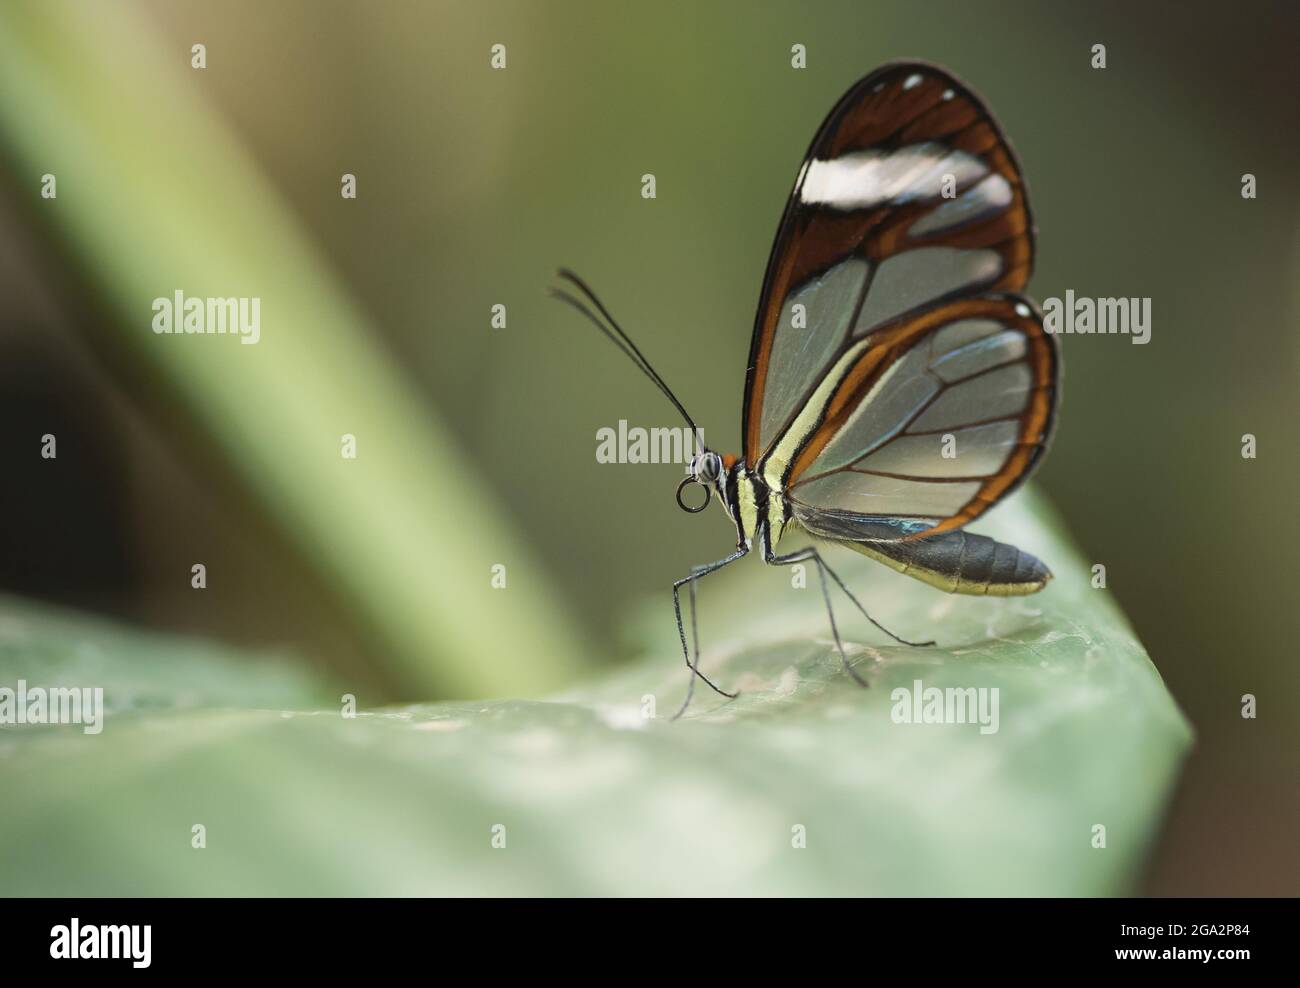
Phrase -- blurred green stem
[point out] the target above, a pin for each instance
(155, 194)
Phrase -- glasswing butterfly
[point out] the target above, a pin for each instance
(898, 386)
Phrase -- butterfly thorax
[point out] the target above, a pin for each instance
(759, 512)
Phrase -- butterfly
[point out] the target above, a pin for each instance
(898, 385)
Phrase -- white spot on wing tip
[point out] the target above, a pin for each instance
(948, 94)
(912, 81)
(1022, 309)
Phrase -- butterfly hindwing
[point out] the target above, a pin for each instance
(932, 418)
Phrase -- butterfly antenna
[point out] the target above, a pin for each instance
(567, 299)
(614, 332)
(583, 287)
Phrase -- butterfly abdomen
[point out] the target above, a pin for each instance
(962, 562)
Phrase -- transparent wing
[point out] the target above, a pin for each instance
(909, 197)
(928, 422)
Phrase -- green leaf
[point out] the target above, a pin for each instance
(596, 799)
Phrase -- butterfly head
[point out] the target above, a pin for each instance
(706, 469)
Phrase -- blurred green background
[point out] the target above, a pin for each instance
(473, 185)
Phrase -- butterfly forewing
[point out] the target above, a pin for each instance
(885, 321)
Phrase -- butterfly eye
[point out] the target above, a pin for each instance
(708, 467)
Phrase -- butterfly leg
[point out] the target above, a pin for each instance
(799, 557)
(695, 574)
(863, 610)
(823, 571)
